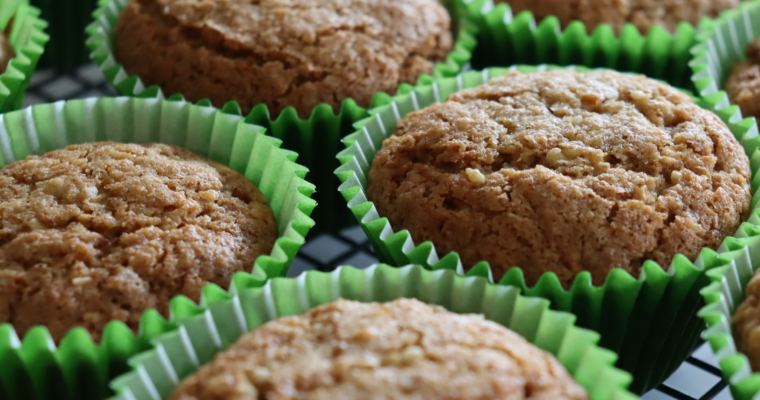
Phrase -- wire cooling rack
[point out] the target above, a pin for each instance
(698, 378)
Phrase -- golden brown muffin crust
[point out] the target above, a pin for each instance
(564, 172)
(282, 53)
(644, 14)
(104, 231)
(743, 85)
(401, 350)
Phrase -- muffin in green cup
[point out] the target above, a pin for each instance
(722, 59)
(648, 318)
(39, 367)
(23, 42)
(223, 317)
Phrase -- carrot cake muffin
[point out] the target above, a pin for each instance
(296, 53)
(400, 350)
(743, 84)
(564, 172)
(642, 13)
(104, 231)
(746, 323)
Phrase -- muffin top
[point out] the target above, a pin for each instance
(284, 53)
(644, 14)
(105, 231)
(402, 350)
(564, 172)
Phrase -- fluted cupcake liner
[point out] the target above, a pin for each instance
(34, 368)
(720, 44)
(650, 322)
(28, 38)
(506, 39)
(223, 317)
(316, 139)
(68, 19)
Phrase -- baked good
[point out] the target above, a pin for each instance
(746, 324)
(6, 53)
(401, 350)
(564, 172)
(297, 53)
(104, 231)
(644, 14)
(743, 85)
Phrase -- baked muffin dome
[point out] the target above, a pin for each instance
(565, 172)
(402, 350)
(104, 231)
(644, 14)
(282, 53)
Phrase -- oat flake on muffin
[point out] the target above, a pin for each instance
(105, 231)
(404, 349)
(282, 53)
(564, 172)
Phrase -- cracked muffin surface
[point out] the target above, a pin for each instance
(743, 84)
(282, 53)
(403, 349)
(644, 14)
(104, 231)
(564, 172)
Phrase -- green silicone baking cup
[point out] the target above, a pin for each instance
(80, 369)
(223, 317)
(720, 44)
(505, 39)
(316, 139)
(27, 36)
(68, 19)
(650, 322)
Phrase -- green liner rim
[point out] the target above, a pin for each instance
(508, 39)
(34, 367)
(615, 309)
(720, 43)
(28, 39)
(228, 315)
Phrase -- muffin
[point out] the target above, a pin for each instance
(746, 324)
(644, 14)
(563, 172)
(743, 85)
(6, 53)
(105, 231)
(402, 350)
(297, 53)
